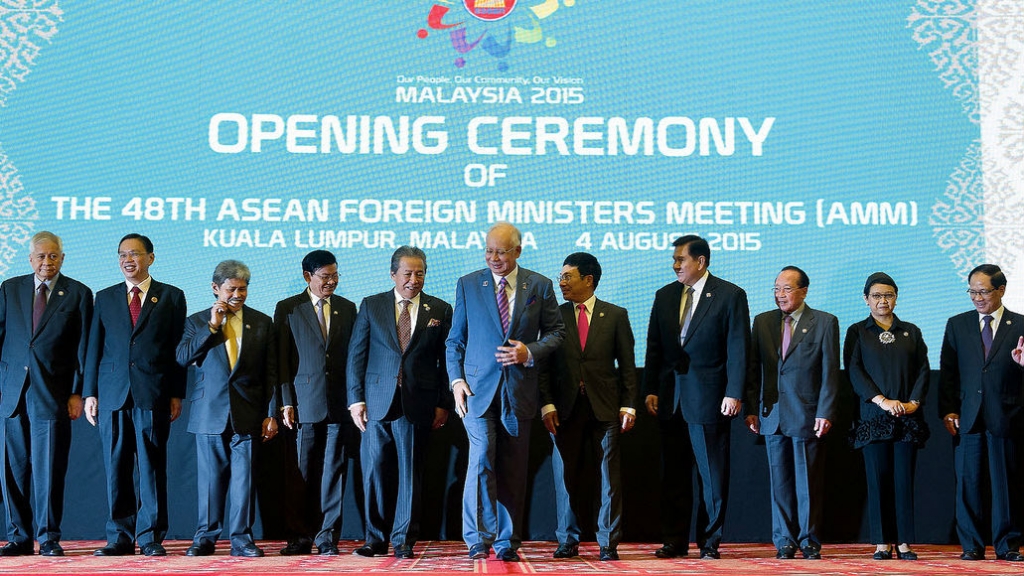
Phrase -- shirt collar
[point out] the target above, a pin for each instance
(997, 316)
(49, 283)
(511, 278)
(398, 298)
(143, 286)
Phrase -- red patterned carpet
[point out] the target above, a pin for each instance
(450, 558)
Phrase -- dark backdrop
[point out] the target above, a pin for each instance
(748, 520)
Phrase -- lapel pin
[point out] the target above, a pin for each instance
(804, 330)
(426, 307)
(61, 293)
(247, 326)
(334, 312)
(1008, 322)
(601, 315)
(708, 295)
(906, 334)
(153, 299)
(485, 283)
(524, 285)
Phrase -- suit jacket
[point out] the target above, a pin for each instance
(476, 334)
(375, 359)
(609, 387)
(222, 396)
(971, 385)
(140, 359)
(44, 367)
(789, 394)
(712, 362)
(311, 371)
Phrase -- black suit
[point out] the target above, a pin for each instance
(133, 373)
(39, 371)
(399, 417)
(228, 407)
(588, 390)
(787, 395)
(312, 380)
(690, 381)
(988, 395)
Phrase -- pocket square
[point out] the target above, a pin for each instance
(532, 299)
(433, 322)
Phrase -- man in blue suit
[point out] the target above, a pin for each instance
(133, 390)
(981, 401)
(232, 349)
(506, 320)
(792, 388)
(698, 340)
(44, 322)
(589, 394)
(397, 386)
(313, 332)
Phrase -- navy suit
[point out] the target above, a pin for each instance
(787, 395)
(39, 371)
(690, 381)
(312, 380)
(590, 412)
(399, 417)
(504, 400)
(228, 407)
(988, 395)
(133, 373)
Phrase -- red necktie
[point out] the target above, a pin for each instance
(135, 305)
(583, 325)
(38, 306)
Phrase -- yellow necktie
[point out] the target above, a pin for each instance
(231, 340)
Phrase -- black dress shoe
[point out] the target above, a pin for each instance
(882, 555)
(249, 550)
(1011, 556)
(479, 552)
(51, 548)
(908, 555)
(153, 549)
(371, 550)
(609, 553)
(709, 554)
(786, 553)
(508, 555)
(202, 548)
(972, 555)
(330, 549)
(811, 553)
(15, 549)
(115, 550)
(567, 550)
(670, 551)
(297, 548)
(404, 552)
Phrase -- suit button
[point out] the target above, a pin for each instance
(26, 368)
(979, 391)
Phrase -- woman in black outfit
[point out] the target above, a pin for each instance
(887, 361)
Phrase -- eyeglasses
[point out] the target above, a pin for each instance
(496, 252)
(567, 277)
(327, 277)
(784, 289)
(982, 293)
(129, 255)
(888, 296)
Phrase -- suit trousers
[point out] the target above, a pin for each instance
(889, 467)
(795, 472)
(582, 430)
(494, 494)
(682, 446)
(35, 462)
(969, 456)
(135, 435)
(316, 482)
(393, 453)
(224, 465)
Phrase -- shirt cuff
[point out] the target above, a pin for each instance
(354, 404)
(630, 411)
(529, 358)
(546, 409)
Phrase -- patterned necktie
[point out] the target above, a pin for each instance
(583, 325)
(231, 340)
(321, 319)
(502, 297)
(787, 333)
(135, 305)
(684, 318)
(38, 306)
(986, 335)
(404, 325)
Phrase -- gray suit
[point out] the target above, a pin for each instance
(787, 395)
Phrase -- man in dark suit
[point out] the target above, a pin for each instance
(133, 389)
(588, 399)
(44, 322)
(981, 400)
(697, 345)
(397, 386)
(313, 332)
(792, 385)
(506, 320)
(232, 349)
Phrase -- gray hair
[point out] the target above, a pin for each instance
(44, 236)
(230, 270)
(515, 235)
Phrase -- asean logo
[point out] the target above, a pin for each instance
(489, 10)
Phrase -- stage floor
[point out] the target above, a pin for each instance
(450, 557)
